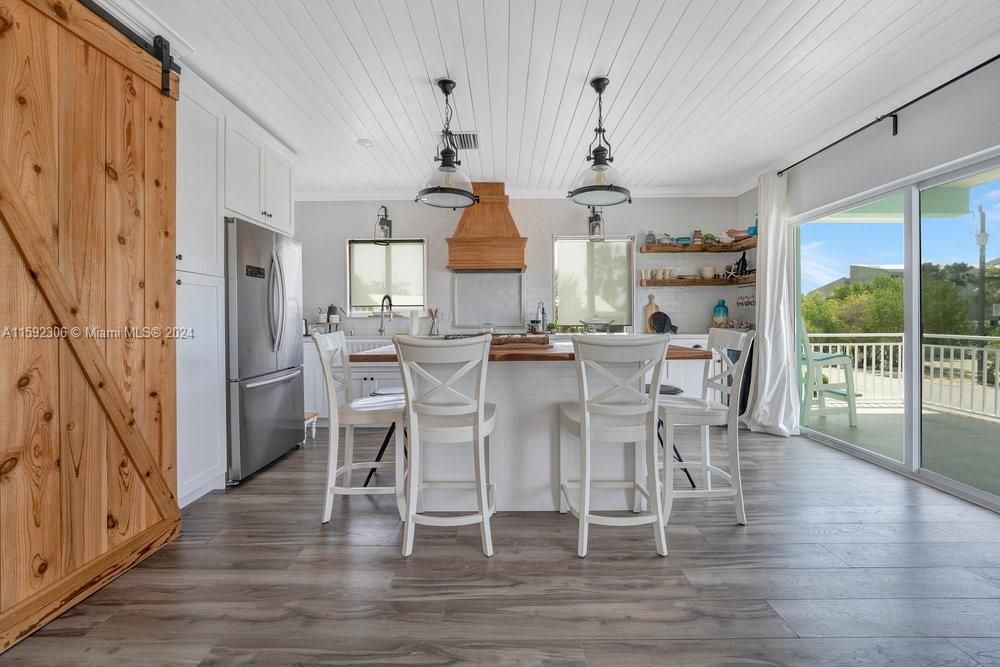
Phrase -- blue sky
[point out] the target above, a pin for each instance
(829, 248)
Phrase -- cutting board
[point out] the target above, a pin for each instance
(520, 342)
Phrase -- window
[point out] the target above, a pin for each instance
(396, 269)
(593, 279)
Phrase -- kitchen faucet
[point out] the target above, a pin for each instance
(381, 314)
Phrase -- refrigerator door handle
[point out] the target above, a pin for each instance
(282, 378)
(281, 300)
(271, 284)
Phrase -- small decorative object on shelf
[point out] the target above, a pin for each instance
(741, 268)
(647, 313)
(710, 238)
(720, 314)
(650, 237)
(740, 324)
(697, 238)
(665, 239)
(737, 234)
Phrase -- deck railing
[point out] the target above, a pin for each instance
(959, 372)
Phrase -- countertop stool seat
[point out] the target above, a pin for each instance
(614, 409)
(719, 405)
(445, 385)
(365, 411)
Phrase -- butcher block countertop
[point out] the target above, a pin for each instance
(557, 351)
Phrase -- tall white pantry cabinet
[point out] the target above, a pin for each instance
(227, 165)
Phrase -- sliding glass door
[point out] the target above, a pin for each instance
(851, 326)
(960, 333)
(899, 329)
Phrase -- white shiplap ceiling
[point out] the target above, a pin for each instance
(704, 93)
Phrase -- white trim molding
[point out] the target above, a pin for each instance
(410, 195)
(144, 22)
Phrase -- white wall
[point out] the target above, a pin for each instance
(953, 123)
(325, 227)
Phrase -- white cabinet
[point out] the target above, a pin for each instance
(245, 155)
(201, 386)
(278, 193)
(200, 147)
(258, 178)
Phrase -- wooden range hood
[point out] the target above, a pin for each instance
(486, 238)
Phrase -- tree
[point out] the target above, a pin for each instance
(877, 305)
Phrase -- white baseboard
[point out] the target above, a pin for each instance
(203, 484)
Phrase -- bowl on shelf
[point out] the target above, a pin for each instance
(682, 240)
(707, 272)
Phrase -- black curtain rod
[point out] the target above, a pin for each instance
(892, 114)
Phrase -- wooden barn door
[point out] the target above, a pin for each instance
(87, 397)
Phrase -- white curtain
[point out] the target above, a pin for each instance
(774, 398)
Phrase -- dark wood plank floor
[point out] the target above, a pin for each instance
(842, 563)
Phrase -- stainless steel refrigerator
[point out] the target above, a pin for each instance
(264, 346)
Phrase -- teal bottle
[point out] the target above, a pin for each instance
(720, 315)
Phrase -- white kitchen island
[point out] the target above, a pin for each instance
(527, 386)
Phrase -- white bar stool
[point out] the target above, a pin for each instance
(612, 408)
(438, 411)
(370, 410)
(719, 405)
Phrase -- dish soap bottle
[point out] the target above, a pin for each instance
(720, 315)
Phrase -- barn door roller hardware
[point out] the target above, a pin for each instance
(159, 49)
(162, 46)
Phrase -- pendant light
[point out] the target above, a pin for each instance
(382, 233)
(599, 184)
(595, 224)
(447, 187)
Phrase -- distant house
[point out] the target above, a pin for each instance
(859, 273)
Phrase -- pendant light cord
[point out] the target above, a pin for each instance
(600, 138)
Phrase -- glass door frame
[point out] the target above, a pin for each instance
(906, 466)
(910, 188)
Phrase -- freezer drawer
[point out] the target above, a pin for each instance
(265, 420)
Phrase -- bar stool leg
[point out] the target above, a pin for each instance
(581, 547)
(331, 471)
(733, 445)
(490, 484)
(637, 476)
(348, 454)
(482, 499)
(655, 498)
(563, 476)
(668, 470)
(706, 458)
(400, 456)
(412, 492)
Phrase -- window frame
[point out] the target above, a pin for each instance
(630, 238)
(347, 279)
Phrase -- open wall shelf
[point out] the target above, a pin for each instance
(699, 282)
(736, 246)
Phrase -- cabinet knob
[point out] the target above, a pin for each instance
(180, 256)
(178, 281)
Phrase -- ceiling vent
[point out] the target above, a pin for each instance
(465, 140)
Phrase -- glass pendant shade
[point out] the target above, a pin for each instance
(599, 185)
(447, 187)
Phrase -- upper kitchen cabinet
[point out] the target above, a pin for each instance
(200, 147)
(278, 204)
(258, 177)
(245, 156)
